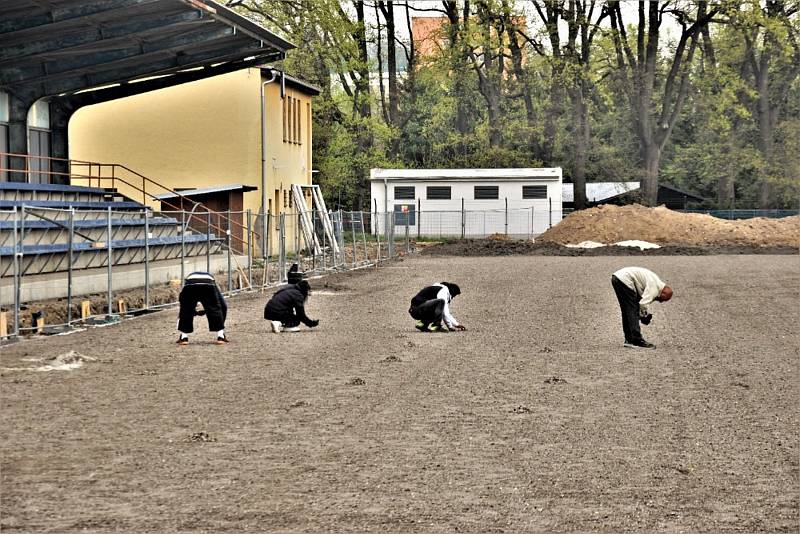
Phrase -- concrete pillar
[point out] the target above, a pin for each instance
(17, 136)
(60, 113)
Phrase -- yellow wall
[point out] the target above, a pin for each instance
(200, 134)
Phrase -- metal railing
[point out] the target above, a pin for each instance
(38, 166)
(732, 214)
(127, 263)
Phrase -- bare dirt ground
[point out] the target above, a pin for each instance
(534, 420)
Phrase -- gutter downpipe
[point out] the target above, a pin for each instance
(264, 213)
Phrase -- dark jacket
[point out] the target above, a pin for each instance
(288, 302)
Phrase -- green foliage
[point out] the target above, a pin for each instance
(446, 118)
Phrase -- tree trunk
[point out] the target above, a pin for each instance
(581, 138)
(391, 57)
(765, 196)
(649, 186)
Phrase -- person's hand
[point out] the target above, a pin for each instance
(313, 323)
(461, 328)
(199, 313)
(646, 319)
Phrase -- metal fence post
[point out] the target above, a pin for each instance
(353, 232)
(229, 241)
(146, 259)
(364, 235)
(282, 248)
(183, 245)
(463, 220)
(377, 239)
(324, 244)
(110, 261)
(550, 210)
(340, 239)
(250, 248)
(408, 244)
(17, 257)
(419, 217)
(70, 243)
(208, 241)
(390, 236)
(264, 232)
(506, 215)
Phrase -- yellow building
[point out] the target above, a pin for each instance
(241, 139)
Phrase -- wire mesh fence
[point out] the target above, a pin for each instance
(65, 268)
(521, 223)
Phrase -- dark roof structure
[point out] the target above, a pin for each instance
(89, 51)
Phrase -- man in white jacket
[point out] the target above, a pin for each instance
(636, 288)
(431, 307)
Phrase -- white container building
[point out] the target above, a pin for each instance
(466, 202)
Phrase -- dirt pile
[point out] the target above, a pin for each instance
(611, 224)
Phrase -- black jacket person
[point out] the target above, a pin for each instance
(200, 287)
(286, 308)
(431, 306)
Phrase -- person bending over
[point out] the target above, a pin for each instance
(286, 309)
(200, 287)
(636, 287)
(431, 307)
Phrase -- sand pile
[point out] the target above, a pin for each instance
(611, 224)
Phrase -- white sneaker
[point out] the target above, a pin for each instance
(276, 326)
(291, 328)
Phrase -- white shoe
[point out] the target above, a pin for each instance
(276, 326)
(291, 328)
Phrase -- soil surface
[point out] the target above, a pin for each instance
(612, 224)
(536, 419)
(509, 247)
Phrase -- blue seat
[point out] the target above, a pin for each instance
(91, 223)
(59, 204)
(56, 188)
(29, 250)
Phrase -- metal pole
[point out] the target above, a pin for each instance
(109, 261)
(250, 248)
(353, 232)
(390, 236)
(208, 241)
(408, 244)
(377, 234)
(17, 256)
(363, 235)
(146, 259)
(324, 244)
(550, 202)
(282, 248)
(506, 215)
(419, 217)
(264, 234)
(183, 244)
(463, 219)
(69, 264)
(229, 242)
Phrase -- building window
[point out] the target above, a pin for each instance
(404, 215)
(438, 192)
(534, 191)
(39, 142)
(487, 192)
(404, 192)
